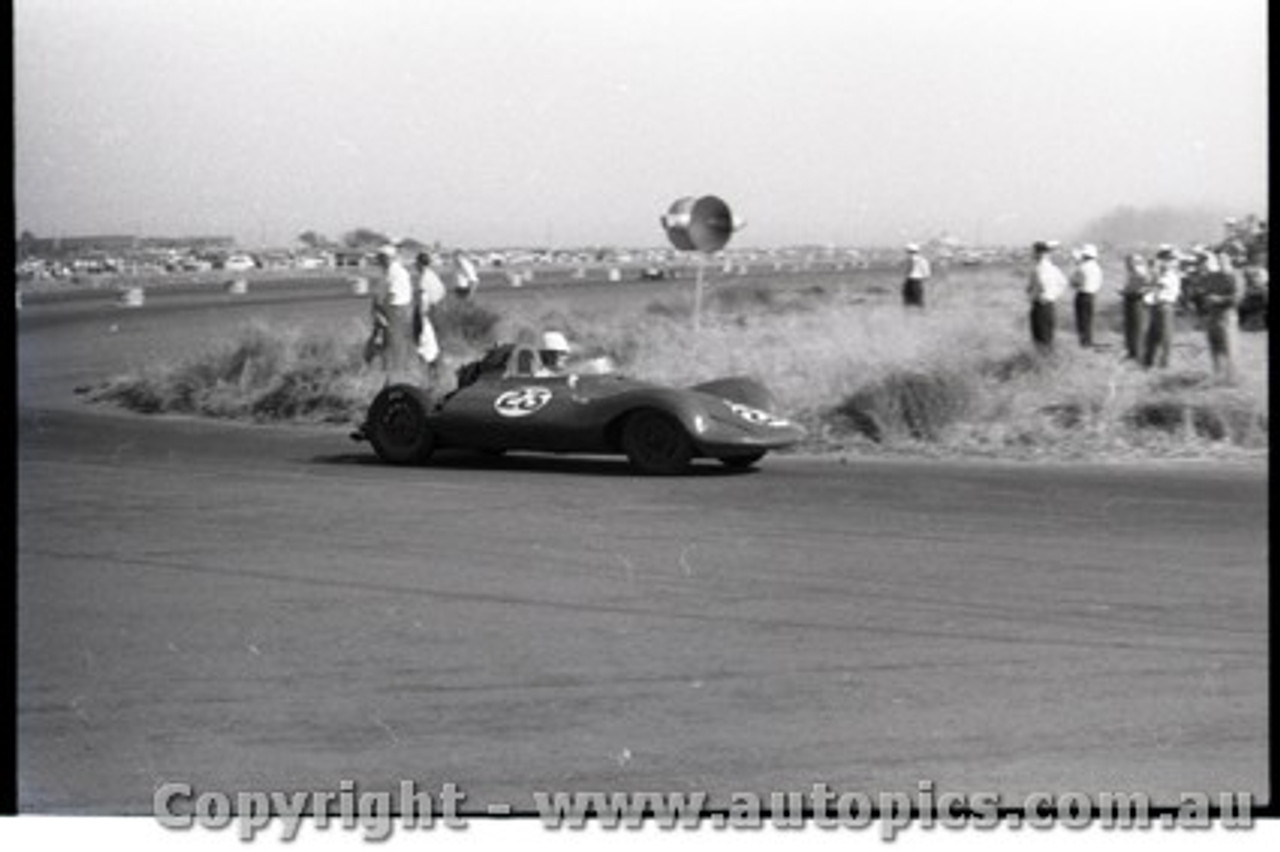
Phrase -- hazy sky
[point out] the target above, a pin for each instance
(498, 122)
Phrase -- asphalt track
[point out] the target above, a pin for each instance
(260, 608)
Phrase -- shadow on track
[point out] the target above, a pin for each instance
(532, 463)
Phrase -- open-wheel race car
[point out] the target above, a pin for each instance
(507, 400)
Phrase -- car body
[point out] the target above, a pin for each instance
(507, 401)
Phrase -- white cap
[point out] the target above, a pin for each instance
(554, 341)
(912, 248)
(1089, 250)
(388, 250)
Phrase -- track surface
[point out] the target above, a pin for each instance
(248, 608)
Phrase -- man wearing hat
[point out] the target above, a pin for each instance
(1217, 294)
(1137, 282)
(553, 354)
(465, 276)
(428, 292)
(917, 272)
(392, 338)
(1044, 288)
(1086, 280)
(1234, 246)
(1160, 301)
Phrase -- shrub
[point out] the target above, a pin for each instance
(915, 403)
(265, 374)
(464, 323)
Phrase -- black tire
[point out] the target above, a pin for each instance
(397, 425)
(742, 462)
(656, 444)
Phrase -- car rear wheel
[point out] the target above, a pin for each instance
(656, 444)
(397, 425)
(742, 462)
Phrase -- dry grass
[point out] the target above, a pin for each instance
(848, 361)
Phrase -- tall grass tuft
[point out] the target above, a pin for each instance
(464, 324)
(916, 403)
(265, 374)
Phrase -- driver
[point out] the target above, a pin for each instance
(554, 354)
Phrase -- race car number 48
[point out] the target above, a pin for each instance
(521, 402)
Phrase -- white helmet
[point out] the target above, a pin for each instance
(554, 341)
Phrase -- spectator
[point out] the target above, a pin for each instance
(1218, 293)
(1256, 249)
(1255, 260)
(917, 273)
(1137, 282)
(465, 276)
(1044, 288)
(1160, 300)
(392, 336)
(1086, 280)
(428, 292)
(1234, 245)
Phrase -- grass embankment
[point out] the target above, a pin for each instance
(845, 359)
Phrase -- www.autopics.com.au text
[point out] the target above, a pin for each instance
(377, 813)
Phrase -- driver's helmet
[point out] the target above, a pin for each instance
(555, 349)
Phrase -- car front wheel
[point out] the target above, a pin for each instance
(397, 425)
(656, 444)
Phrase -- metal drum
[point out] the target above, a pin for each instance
(698, 224)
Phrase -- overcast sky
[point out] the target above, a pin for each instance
(502, 122)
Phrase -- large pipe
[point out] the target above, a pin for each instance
(698, 224)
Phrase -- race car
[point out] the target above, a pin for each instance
(508, 401)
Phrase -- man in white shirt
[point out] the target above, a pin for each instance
(1160, 301)
(465, 277)
(1086, 280)
(429, 291)
(1045, 286)
(392, 314)
(917, 273)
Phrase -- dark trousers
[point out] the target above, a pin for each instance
(1084, 318)
(1043, 319)
(1220, 326)
(913, 293)
(416, 308)
(1159, 335)
(1135, 325)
